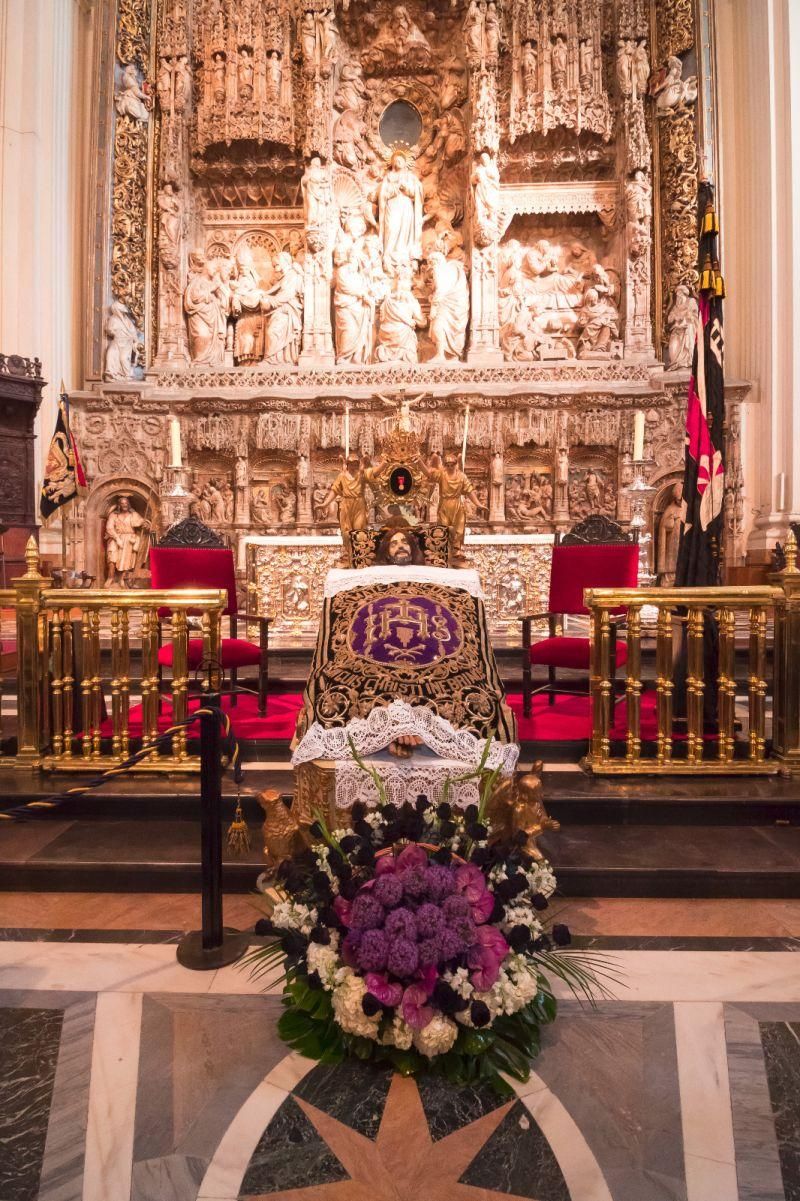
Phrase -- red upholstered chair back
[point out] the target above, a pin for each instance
(574, 568)
(194, 567)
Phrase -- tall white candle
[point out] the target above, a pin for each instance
(175, 442)
(638, 436)
(781, 491)
(346, 431)
(466, 435)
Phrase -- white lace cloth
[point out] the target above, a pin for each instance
(340, 579)
(405, 779)
(387, 722)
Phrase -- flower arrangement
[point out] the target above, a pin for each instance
(418, 940)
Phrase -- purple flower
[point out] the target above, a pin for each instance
(415, 882)
(388, 890)
(429, 920)
(450, 944)
(400, 923)
(371, 955)
(464, 928)
(403, 958)
(428, 951)
(366, 913)
(342, 909)
(379, 986)
(441, 882)
(456, 907)
(385, 865)
(350, 948)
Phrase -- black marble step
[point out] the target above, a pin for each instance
(571, 796)
(591, 860)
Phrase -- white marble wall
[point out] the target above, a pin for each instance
(758, 71)
(44, 115)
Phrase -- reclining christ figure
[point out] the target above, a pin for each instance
(403, 661)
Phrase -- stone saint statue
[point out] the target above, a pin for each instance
(401, 316)
(131, 99)
(486, 185)
(123, 537)
(317, 195)
(600, 320)
(641, 68)
(669, 536)
(473, 30)
(205, 303)
(625, 66)
(497, 482)
(284, 303)
(122, 343)
(449, 306)
(558, 62)
(454, 486)
(682, 326)
(169, 224)
(400, 215)
(353, 308)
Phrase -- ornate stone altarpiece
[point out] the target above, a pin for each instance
(318, 207)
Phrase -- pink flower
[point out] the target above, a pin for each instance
(416, 1013)
(380, 987)
(412, 855)
(485, 956)
(482, 908)
(427, 977)
(342, 909)
(470, 882)
(385, 865)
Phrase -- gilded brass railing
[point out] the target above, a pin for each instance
(63, 722)
(680, 627)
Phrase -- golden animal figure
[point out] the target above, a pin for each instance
(285, 831)
(516, 804)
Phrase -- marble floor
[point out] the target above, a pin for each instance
(125, 1076)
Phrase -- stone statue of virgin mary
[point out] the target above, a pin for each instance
(400, 215)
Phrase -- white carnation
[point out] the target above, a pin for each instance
(291, 915)
(347, 998)
(398, 1035)
(541, 878)
(437, 1037)
(324, 960)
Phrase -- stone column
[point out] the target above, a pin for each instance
(759, 204)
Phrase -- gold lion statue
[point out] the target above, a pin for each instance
(516, 804)
(285, 830)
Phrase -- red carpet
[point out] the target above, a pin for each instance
(278, 724)
(568, 720)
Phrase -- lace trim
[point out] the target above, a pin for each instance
(341, 579)
(387, 722)
(404, 780)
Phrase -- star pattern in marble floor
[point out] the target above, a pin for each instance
(403, 1163)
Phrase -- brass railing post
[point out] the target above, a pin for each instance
(31, 659)
(786, 699)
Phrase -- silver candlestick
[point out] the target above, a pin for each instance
(639, 492)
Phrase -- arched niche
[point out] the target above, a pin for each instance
(105, 492)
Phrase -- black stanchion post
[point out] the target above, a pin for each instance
(213, 946)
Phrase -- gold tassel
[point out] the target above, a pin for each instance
(710, 221)
(707, 275)
(719, 282)
(238, 833)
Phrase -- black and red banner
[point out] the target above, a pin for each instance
(700, 551)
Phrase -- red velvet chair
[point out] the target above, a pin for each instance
(578, 562)
(207, 563)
